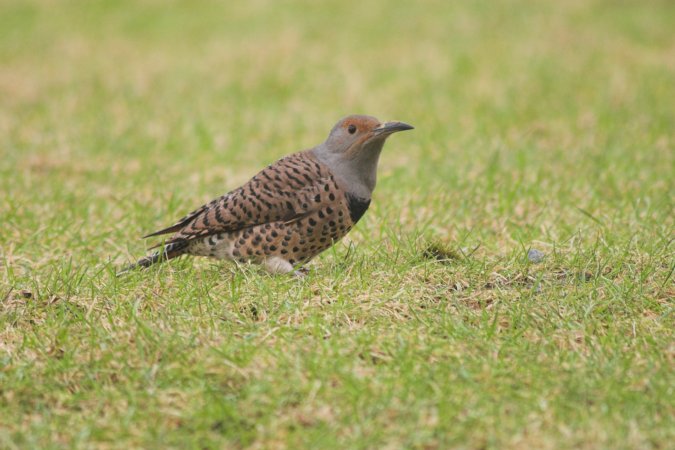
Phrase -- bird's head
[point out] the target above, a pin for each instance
(353, 148)
(354, 135)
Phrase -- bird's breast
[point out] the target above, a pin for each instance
(357, 207)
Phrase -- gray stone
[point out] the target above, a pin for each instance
(535, 256)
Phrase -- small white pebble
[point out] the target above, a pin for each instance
(535, 255)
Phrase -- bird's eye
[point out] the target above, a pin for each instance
(351, 129)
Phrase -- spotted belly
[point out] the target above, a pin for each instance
(295, 242)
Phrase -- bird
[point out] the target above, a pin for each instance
(290, 211)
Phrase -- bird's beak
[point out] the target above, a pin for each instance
(392, 127)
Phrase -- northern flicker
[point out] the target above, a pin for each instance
(293, 209)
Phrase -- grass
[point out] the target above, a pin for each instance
(539, 125)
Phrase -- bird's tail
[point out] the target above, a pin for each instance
(169, 251)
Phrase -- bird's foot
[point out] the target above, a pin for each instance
(302, 272)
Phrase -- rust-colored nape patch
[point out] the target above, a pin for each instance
(360, 124)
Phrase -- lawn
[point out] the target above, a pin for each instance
(545, 126)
